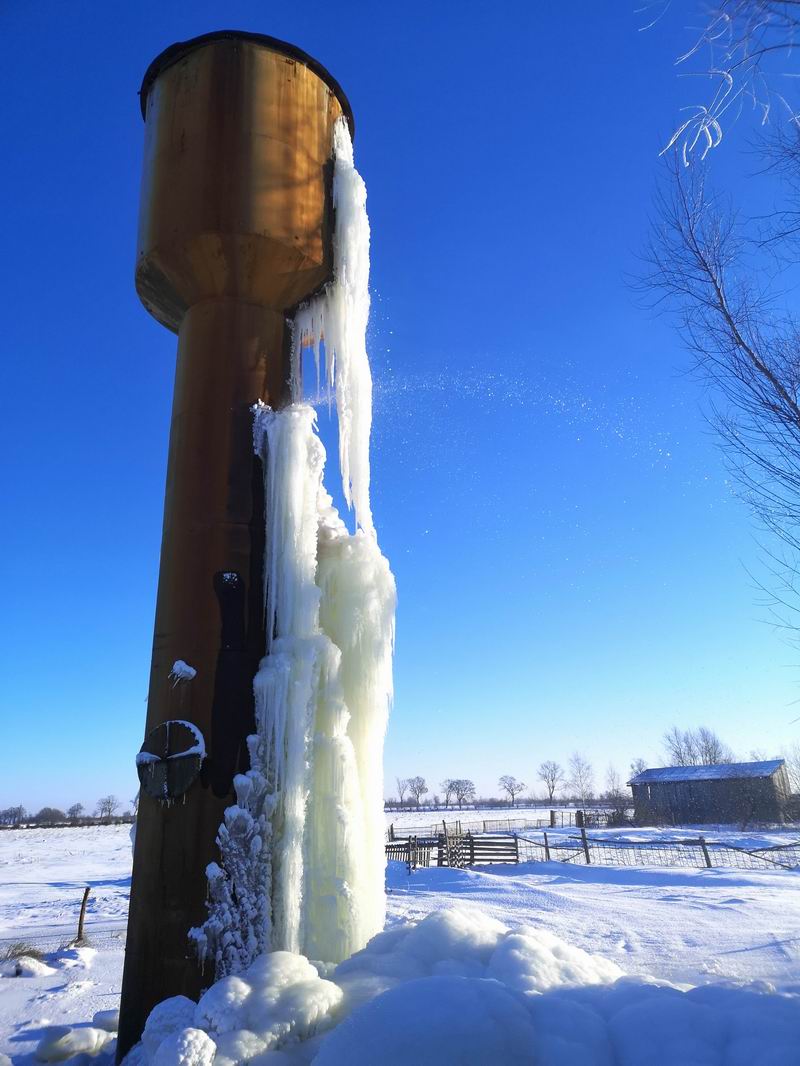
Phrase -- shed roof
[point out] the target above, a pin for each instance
(720, 772)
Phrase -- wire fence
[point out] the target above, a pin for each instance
(554, 820)
(690, 853)
(80, 929)
(463, 848)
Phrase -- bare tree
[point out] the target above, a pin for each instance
(107, 806)
(617, 796)
(512, 787)
(708, 265)
(679, 747)
(417, 788)
(581, 777)
(711, 749)
(553, 777)
(13, 816)
(695, 747)
(75, 812)
(402, 788)
(448, 787)
(613, 784)
(638, 766)
(791, 757)
(464, 791)
(730, 49)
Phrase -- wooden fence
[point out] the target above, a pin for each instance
(454, 849)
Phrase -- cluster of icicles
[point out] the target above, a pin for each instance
(302, 861)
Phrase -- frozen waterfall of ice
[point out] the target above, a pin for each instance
(302, 859)
(337, 319)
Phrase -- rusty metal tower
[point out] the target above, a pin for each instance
(235, 225)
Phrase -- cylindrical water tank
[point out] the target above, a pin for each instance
(235, 226)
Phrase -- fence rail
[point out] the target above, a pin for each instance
(453, 847)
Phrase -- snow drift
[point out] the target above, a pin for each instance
(461, 988)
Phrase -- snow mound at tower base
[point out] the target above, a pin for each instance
(458, 988)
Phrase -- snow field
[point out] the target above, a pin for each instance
(687, 926)
(719, 930)
(423, 816)
(43, 873)
(746, 838)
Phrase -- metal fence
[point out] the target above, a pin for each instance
(458, 846)
(555, 820)
(693, 853)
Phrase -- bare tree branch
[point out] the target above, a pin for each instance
(703, 265)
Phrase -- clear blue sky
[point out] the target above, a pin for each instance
(571, 562)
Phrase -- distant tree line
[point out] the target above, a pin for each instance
(576, 782)
(107, 810)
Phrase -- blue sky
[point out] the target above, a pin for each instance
(571, 561)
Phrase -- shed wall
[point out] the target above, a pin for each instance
(701, 802)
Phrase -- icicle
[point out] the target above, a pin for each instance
(338, 318)
(302, 856)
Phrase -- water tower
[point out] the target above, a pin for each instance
(234, 231)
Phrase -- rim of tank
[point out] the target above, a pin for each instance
(177, 51)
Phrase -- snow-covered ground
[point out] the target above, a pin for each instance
(43, 873)
(535, 816)
(690, 927)
(424, 816)
(687, 926)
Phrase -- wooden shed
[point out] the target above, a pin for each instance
(696, 795)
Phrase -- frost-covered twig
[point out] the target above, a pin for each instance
(738, 40)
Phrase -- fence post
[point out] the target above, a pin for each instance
(471, 839)
(516, 848)
(440, 849)
(585, 845)
(580, 820)
(391, 831)
(552, 819)
(706, 856)
(546, 847)
(82, 915)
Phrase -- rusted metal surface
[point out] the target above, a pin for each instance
(236, 161)
(180, 49)
(169, 761)
(234, 231)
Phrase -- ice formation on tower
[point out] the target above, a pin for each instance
(302, 848)
(338, 317)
